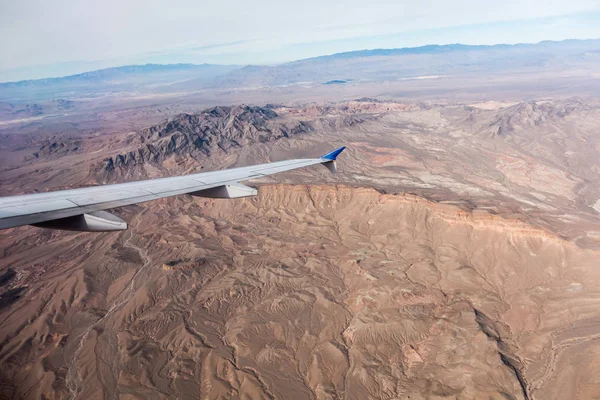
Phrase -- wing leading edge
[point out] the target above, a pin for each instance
(83, 209)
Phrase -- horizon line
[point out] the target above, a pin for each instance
(432, 45)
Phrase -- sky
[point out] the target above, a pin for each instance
(45, 38)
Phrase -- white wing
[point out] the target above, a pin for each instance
(82, 209)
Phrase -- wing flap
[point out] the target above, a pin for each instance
(274, 169)
(173, 185)
(35, 207)
(108, 196)
(226, 176)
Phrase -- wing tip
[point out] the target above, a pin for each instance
(333, 155)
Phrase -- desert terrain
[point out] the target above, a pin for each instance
(453, 256)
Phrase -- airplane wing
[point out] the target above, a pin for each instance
(83, 209)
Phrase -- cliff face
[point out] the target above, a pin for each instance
(200, 134)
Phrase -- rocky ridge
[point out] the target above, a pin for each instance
(526, 115)
(203, 133)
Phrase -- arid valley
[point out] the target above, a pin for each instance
(455, 254)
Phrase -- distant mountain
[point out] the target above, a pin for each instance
(418, 62)
(128, 78)
(571, 44)
(126, 72)
(377, 65)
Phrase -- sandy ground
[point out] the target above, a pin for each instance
(457, 260)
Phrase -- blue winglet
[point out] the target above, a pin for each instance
(333, 155)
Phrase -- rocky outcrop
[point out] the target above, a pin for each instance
(184, 264)
(200, 134)
(530, 114)
(507, 349)
(56, 148)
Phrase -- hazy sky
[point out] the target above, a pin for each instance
(57, 37)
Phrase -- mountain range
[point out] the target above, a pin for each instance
(432, 61)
